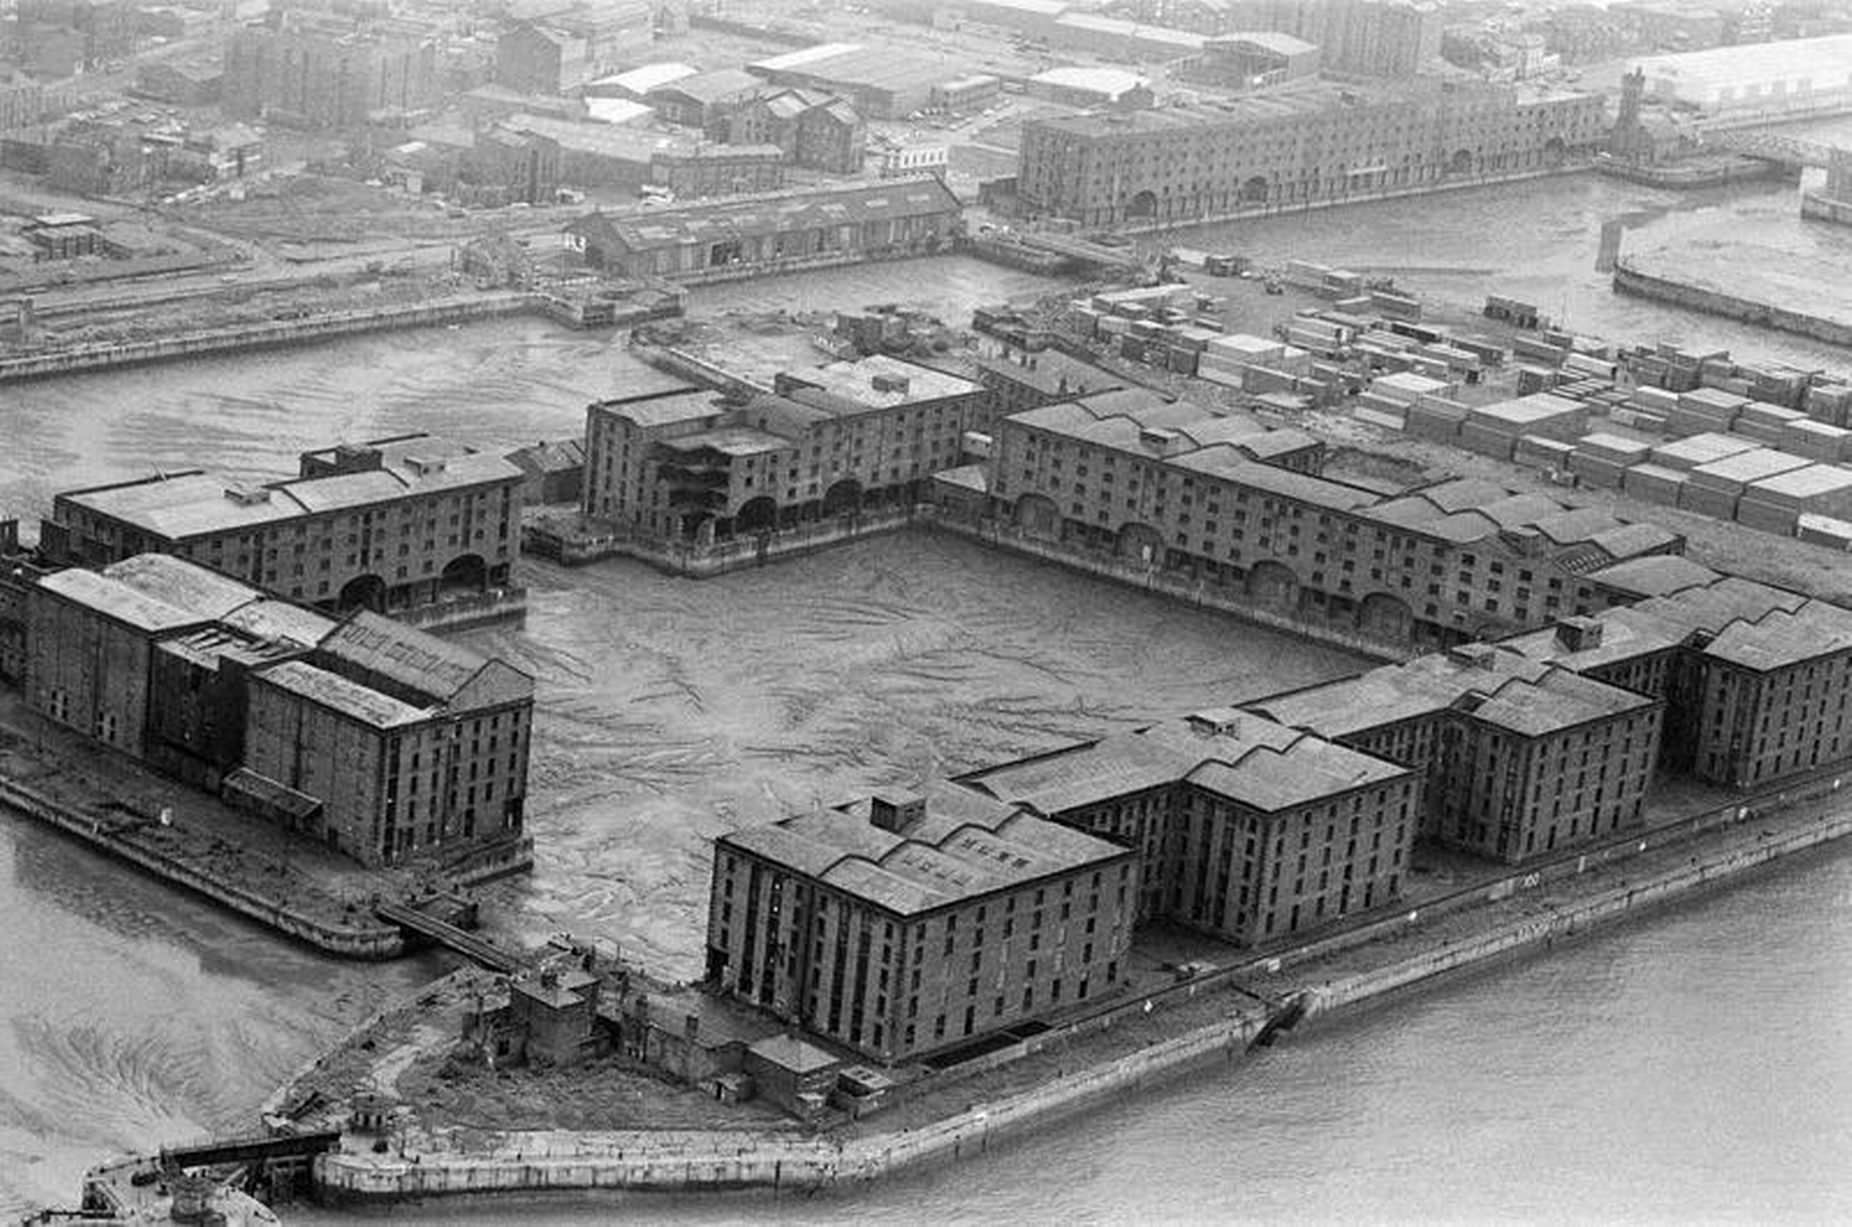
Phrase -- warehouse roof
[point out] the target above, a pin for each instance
(965, 846)
(1654, 575)
(339, 694)
(415, 662)
(710, 87)
(855, 381)
(115, 599)
(1243, 756)
(640, 80)
(1107, 82)
(1781, 638)
(1495, 684)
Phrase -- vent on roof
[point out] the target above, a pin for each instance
(247, 496)
(1157, 438)
(890, 383)
(895, 810)
(1215, 722)
(425, 465)
(1473, 655)
(1578, 634)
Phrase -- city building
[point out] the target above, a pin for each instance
(704, 100)
(405, 743)
(1295, 146)
(1018, 380)
(832, 441)
(1205, 495)
(1092, 87)
(1752, 676)
(886, 80)
(1793, 78)
(1245, 828)
(795, 229)
(389, 524)
(1521, 758)
(182, 85)
(319, 71)
(373, 737)
(907, 923)
(532, 59)
(815, 129)
(1251, 60)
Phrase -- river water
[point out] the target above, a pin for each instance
(1695, 1066)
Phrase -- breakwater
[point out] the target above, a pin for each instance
(1630, 279)
(646, 1161)
(355, 935)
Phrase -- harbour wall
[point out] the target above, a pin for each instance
(268, 334)
(1823, 208)
(644, 1161)
(1153, 578)
(365, 940)
(1630, 280)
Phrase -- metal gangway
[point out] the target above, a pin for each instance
(443, 933)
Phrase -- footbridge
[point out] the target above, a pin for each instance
(1769, 147)
(1096, 255)
(257, 1148)
(467, 944)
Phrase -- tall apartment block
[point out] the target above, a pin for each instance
(681, 464)
(1299, 145)
(386, 525)
(1247, 829)
(907, 923)
(381, 740)
(1210, 495)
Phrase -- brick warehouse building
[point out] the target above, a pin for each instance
(377, 738)
(831, 441)
(904, 924)
(386, 525)
(1294, 147)
(1201, 494)
(1247, 829)
(1521, 758)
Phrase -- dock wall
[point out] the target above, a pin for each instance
(366, 940)
(1630, 280)
(664, 1162)
(269, 334)
(1824, 208)
(1153, 578)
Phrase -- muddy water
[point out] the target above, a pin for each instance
(672, 710)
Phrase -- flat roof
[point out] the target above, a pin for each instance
(664, 408)
(854, 381)
(645, 77)
(778, 213)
